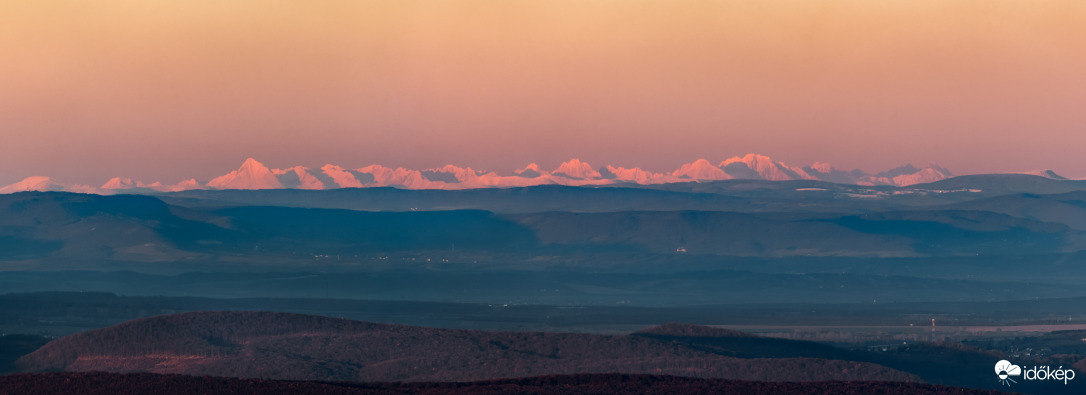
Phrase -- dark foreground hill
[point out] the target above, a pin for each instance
(301, 347)
(146, 383)
(945, 363)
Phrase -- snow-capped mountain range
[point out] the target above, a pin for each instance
(254, 175)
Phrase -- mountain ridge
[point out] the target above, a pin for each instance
(254, 175)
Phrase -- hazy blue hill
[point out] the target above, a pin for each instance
(65, 313)
(1002, 184)
(582, 285)
(544, 198)
(500, 200)
(16, 247)
(279, 228)
(951, 232)
(139, 228)
(760, 188)
(145, 229)
(93, 226)
(949, 191)
(1062, 208)
(959, 232)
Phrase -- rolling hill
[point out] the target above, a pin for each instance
(134, 228)
(142, 383)
(299, 347)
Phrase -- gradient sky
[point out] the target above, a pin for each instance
(164, 90)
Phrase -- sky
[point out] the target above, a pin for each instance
(167, 90)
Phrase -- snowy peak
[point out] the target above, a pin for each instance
(398, 177)
(121, 183)
(751, 160)
(300, 177)
(46, 184)
(701, 170)
(822, 167)
(127, 185)
(635, 175)
(252, 165)
(35, 183)
(451, 174)
(909, 175)
(826, 172)
(576, 169)
(341, 177)
(898, 171)
(251, 175)
(185, 185)
(530, 171)
(762, 167)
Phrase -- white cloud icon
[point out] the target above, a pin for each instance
(1005, 368)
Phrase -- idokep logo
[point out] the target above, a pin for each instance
(1007, 371)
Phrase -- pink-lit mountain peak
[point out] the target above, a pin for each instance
(342, 177)
(300, 177)
(251, 175)
(931, 173)
(121, 183)
(577, 169)
(33, 183)
(823, 167)
(752, 160)
(460, 174)
(530, 171)
(701, 169)
(635, 175)
(253, 165)
(764, 167)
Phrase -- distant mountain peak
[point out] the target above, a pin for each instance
(631, 175)
(251, 175)
(34, 183)
(701, 169)
(749, 159)
(530, 171)
(576, 169)
(822, 167)
(252, 164)
(763, 167)
(910, 175)
(897, 171)
(120, 183)
(189, 184)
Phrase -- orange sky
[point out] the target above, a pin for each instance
(164, 90)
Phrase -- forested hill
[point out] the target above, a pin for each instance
(300, 347)
(95, 383)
